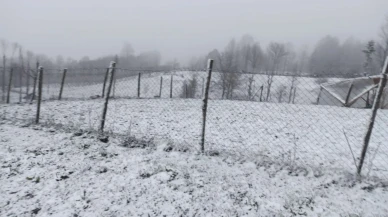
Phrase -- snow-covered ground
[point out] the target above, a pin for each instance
(47, 172)
(297, 134)
(307, 89)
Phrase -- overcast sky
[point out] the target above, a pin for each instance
(180, 28)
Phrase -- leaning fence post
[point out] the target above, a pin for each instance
(161, 86)
(104, 84)
(138, 85)
(114, 87)
(105, 108)
(9, 85)
(203, 86)
(62, 83)
(376, 104)
(40, 81)
(171, 86)
(204, 103)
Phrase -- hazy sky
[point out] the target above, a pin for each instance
(180, 28)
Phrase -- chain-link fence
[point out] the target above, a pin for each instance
(293, 119)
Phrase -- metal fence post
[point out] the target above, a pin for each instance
(40, 82)
(62, 83)
(376, 105)
(161, 86)
(3, 80)
(204, 103)
(35, 81)
(138, 85)
(9, 85)
(105, 107)
(171, 86)
(104, 84)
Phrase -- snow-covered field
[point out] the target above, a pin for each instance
(307, 89)
(47, 172)
(297, 134)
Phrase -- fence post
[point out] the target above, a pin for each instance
(261, 93)
(348, 95)
(293, 98)
(62, 83)
(21, 84)
(161, 86)
(204, 103)
(114, 86)
(40, 81)
(171, 86)
(9, 85)
(3, 81)
(104, 84)
(186, 90)
(319, 95)
(105, 108)
(203, 86)
(138, 85)
(376, 103)
(35, 81)
(28, 80)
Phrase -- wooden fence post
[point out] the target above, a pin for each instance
(171, 86)
(62, 83)
(40, 82)
(138, 85)
(35, 81)
(204, 103)
(104, 84)
(375, 107)
(9, 85)
(161, 86)
(105, 107)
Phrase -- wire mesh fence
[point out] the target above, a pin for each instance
(293, 119)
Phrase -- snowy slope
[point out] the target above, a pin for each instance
(50, 173)
(126, 87)
(297, 134)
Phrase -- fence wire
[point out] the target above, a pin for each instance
(290, 119)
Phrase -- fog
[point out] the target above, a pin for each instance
(180, 29)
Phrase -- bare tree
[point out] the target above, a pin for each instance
(14, 48)
(227, 62)
(127, 54)
(255, 60)
(29, 56)
(275, 53)
(295, 70)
